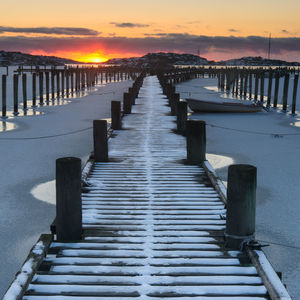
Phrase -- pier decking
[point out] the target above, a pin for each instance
(153, 226)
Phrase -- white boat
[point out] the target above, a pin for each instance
(223, 106)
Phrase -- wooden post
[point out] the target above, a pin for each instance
(34, 89)
(126, 103)
(41, 87)
(236, 91)
(57, 85)
(256, 85)
(52, 85)
(181, 117)
(296, 79)
(270, 88)
(47, 87)
(241, 203)
(16, 92)
(68, 199)
(262, 86)
(174, 101)
(195, 141)
(4, 77)
(100, 140)
(72, 82)
(285, 91)
(116, 115)
(245, 84)
(241, 84)
(24, 89)
(67, 83)
(277, 77)
(62, 84)
(222, 77)
(250, 85)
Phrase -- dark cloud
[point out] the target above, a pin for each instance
(129, 25)
(51, 30)
(167, 42)
(284, 31)
(233, 30)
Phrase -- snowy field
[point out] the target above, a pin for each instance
(271, 142)
(27, 206)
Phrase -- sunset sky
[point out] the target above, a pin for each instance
(95, 30)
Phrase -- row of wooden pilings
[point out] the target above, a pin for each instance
(247, 83)
(68, 222)
(58, 83)
(241, 191)
(250, 84)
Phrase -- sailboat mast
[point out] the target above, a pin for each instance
(269, 48)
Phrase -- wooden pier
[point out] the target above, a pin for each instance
(153, 226)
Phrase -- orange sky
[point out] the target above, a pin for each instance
(131, 28)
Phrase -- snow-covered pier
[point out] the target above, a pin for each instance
(153, 226)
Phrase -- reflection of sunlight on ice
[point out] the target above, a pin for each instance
(296, 123)
(219, 161)
(45, 192)
(6, 126)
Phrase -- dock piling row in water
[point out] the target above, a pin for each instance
(57, 84)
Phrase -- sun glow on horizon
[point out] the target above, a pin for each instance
(90, 58)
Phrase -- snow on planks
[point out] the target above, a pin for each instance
(153, 227)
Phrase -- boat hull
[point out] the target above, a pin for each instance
(207, 106)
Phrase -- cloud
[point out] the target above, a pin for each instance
(233, 30)
(129, 25)
(51, 30)
(224, 46)
(284, 31)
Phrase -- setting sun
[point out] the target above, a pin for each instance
(92, 58)
(88, 57)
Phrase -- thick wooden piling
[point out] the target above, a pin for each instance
(16, 92)
(4, 79)
(241, 204)
(62, 83)
(277, 77)
(72, 82)
(270, 88)
(256, 85)
(250, 85)
(41, 87)
(100, 140)
(67, 74)
(24, 89)
(34, 89)
(57, 85)
(245, 85)
(181, 117)
(296, 79)
(52, 85)
(116, 123)
(195, 141)
(68, 199)
(241, 83)
(47, 86)
(174, 99)
(126, 103)
(285, 91)
(262, 86)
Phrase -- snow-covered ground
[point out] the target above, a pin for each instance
(27, 206)
(271, 142)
